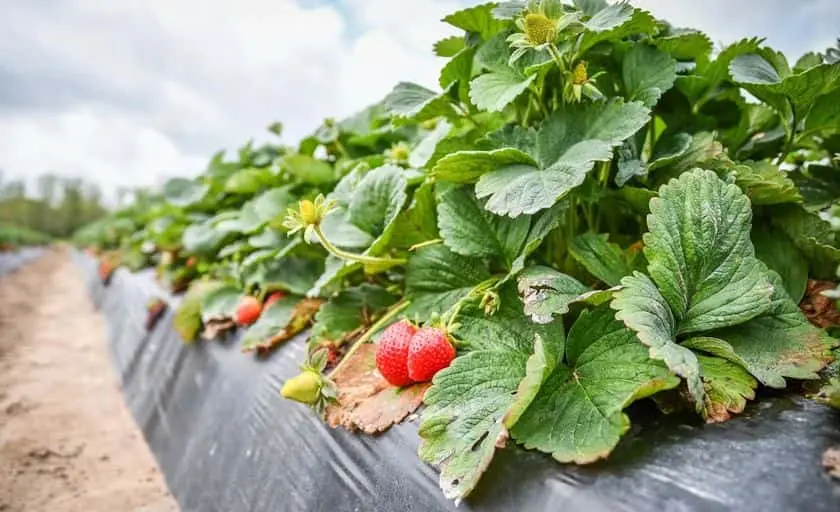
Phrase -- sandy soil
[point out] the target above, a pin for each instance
(67, 441)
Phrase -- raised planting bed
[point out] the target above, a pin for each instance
(226, 440)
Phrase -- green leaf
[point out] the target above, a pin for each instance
(544, 224)
(710, 73)
(764, 183)
(685, 44)
(202, 238)
(602, 259)
(272, 321)
(350, 309)
(436, 278)
(547, 293)
(335, 270)
(449, 46)
(590, 7)
(781, 343)
(469, 166)
(377, 200)
(418, 223)
(807, 61)
(517, 137)
(269, 238)
(470, 230)
(819, 186)
(670, 149)
(474, 401)
(714, 347)
(424, 151)
(478, 19)
(459, 70)
(293, 274)
(272, 204)
(309, 169)
(183, 192)
(673, 160)
(617, 21)
(410, 101)
(825, 114)
(728, 387)
(577, 414)
(701, 256)
(792, 95)
(648, 73)
(568, 145)
(220, 303)
(830, 393)
(811, 235)
(247, 181)
(495, 90)
(780, 254)
(187, 319)
(642, 308)
(341, 232)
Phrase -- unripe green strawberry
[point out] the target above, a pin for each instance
(248, 311)
(429, 352)
(304, 388)
(392, 352)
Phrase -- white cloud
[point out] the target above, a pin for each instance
(168, 83)
(113, 150)
(124, 92)
(792, 27)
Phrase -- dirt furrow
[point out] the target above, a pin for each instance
(67, 441)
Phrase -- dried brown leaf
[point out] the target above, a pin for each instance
(366, 402)
(819, 309)
(215, 327)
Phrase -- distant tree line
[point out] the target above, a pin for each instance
(59, 206)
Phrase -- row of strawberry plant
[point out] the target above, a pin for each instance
(593, 209)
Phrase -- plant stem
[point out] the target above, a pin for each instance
(556, 56)
(387, 317)
(789, 143)
(464, 112)
(427, 243)
(361, 258)
(341, 149)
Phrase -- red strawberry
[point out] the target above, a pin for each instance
(429, 352)
(248, 311)
(274, 297)
(392, 352)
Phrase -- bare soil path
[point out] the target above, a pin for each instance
(67, 441)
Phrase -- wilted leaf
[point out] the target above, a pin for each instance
(365, 401)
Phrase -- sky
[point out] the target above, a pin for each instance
(130, 92)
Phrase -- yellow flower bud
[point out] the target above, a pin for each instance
(579, 76)
(308, 212)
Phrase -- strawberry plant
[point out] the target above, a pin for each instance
(594, 208)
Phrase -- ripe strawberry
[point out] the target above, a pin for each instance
(392, 352)
(274, 297)
(248, 311)
(429, 352)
